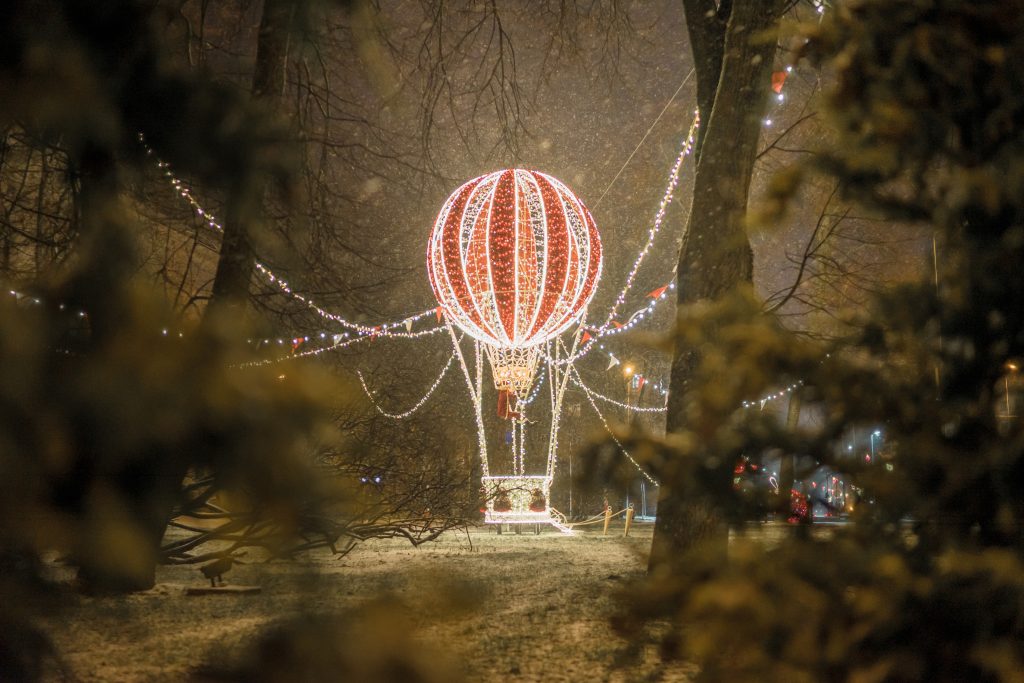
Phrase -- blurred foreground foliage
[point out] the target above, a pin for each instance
(110, 427)
(925, 583)
(376, 642)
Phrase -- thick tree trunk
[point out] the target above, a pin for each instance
(237, 258)
(121, 555)
(705, 25)
(716, 254)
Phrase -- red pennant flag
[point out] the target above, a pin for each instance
(437, 311)
(656, 293)
(617, 324)
(296, 343)
(585, 338)
(778, 78)
(640, 381)
(374, 332)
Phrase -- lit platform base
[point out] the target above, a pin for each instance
(517, 500)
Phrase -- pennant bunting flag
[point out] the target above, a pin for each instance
(438, 313)
(656, 294)
(778, 78)
(585, 338)
(612, 362)
(408, 325)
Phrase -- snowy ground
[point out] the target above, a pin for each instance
(534, 607)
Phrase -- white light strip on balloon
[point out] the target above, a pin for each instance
(578, 381)
(480, 274)
(419, 404)
(383, 329)
(590, 398)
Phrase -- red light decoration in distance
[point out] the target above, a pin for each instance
(514, 258)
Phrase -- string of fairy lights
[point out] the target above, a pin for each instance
(340, 341)
(577, 381)
(767, 398)
(593, 404)
(659, 218)
(592, 336)
(419, 404)
(383, 329)
(610, 327)
(388, 329)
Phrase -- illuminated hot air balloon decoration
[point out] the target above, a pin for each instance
(514, 259)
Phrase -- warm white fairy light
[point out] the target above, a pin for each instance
(673, 181)
(383, 329)
(475, 394)
(536, 387)
(608, 327)
(578, 381)
(772, 396)
(593, 404)
(558, 385)
(594, 342)
(340, 342)
(419, 404)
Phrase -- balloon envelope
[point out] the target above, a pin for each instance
(514, 258)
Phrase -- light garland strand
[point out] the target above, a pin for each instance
(419, 404)
(383, 329)
(578, 381)
(771, 397)
(474, 394)
(673, 181)
(341, 341)
(634, 320)
(536, 387)
(618, 443)
(607, 327)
